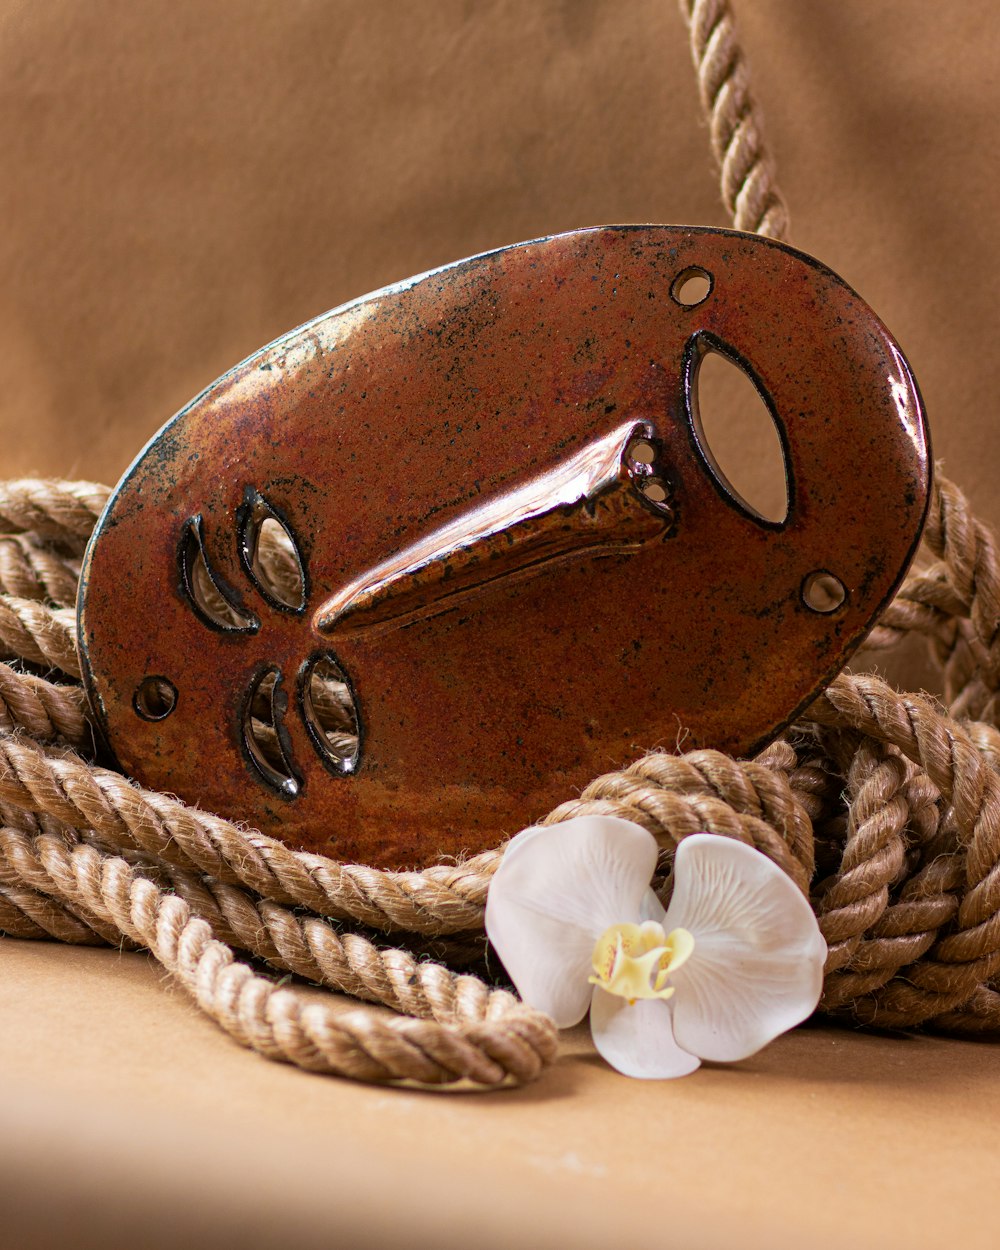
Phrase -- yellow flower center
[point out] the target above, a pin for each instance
(635, 960)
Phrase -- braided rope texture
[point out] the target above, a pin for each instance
(735, 123)
(880, 805)
(883, 807)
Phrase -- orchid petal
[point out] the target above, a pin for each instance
(521, 840)
(651, 908)
(638, 1038)
(556, 890)
(757, 966)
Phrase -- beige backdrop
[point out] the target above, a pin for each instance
(182, 181)
(185, 179)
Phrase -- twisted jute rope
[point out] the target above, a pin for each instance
(883, 807)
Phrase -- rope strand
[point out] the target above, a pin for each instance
(735, 124)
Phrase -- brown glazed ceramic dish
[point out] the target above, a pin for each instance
(416, 572)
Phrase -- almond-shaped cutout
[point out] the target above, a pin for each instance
(331, 715)
(265, 739)
(270, 554)
(739, 436)
(212, 601)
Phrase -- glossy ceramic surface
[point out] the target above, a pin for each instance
(511, 552)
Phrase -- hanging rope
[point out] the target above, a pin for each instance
(883, 807)
(735, 126)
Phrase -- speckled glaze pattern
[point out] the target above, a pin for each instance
(393, 425)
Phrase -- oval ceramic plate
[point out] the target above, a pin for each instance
(422, 568)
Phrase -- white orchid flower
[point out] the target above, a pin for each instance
(734, 961)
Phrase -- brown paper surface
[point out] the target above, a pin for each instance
(183, 182)
(127, 1119)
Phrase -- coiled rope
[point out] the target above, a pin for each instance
(883, 807)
